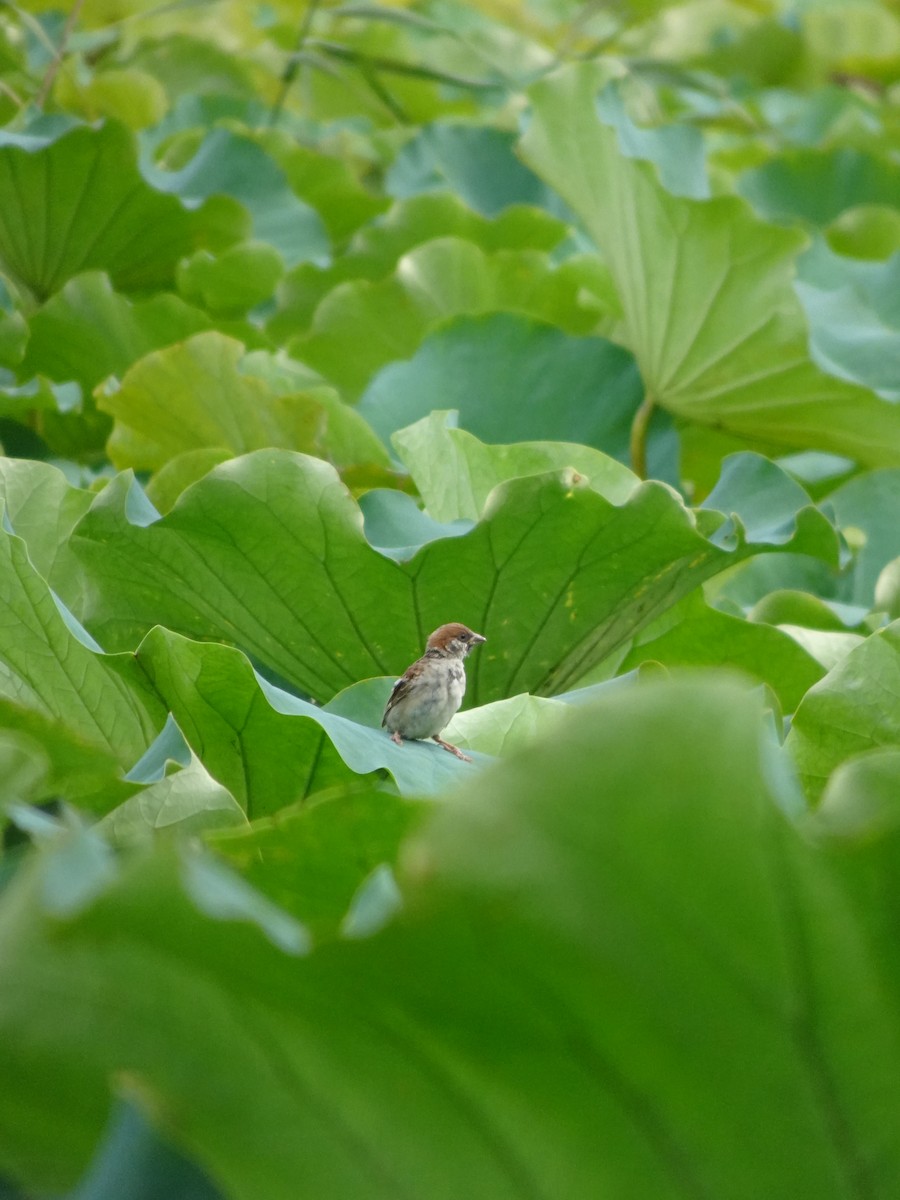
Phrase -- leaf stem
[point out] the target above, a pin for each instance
(293, 62)
(395, 66)
(638, 441)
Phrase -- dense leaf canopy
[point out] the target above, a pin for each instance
(322, 326)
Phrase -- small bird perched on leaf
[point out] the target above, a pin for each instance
(424, 699)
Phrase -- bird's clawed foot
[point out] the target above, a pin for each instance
(395, 737)
(453, 749)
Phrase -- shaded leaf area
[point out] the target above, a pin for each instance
(397, 527)
(789, 606)
(867, 509)
(855, 708)
(676, 150)
(133, 1160)
(312, 860)
(500, 728)
(740, 591)
(376, 248)
(507, 727)
(52, 678)
(168, 794)
(854, 316)
(361, 326)
(43, 759)
(818, 185)
(271, 749)
(329, 184)
(122, 93)
(871, 231)
(477, 163)
(88, 331)
(42, 508)
(574, 928)
(512, 378)
(229, 164)
(860, 799)
(106, 217)
(693, 634)
(204, 394)
(232, 282)
(731, 346)
(267, 552)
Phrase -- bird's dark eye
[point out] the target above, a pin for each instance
(463, 637)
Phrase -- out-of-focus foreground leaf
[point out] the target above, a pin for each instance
(618, 967)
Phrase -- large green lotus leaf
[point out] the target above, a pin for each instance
(47, 667)
(312, 859)
(512, 378)
(269, 748)
(361, 326)
(325, 182)
(706, 289)
(502, 727)
(817, 185)
(827, 647)
(862, 40)
(851, 341)
(854, 313)
(196, 396)
(740, 590)
(856, 707)
(790, 606)
(180, 58)
(507, 727)
(88, 331)
(375, 250)
(477, 162)
(78, 202)
(24, 771)
(862, 797)
(455, 472)
(589, 936)
(693, 634)
(867, 509)
(229, 284)
(186, 801)
(870, 231)
(80, 768)
(676, 150)
(267, 552)
(396, 526)
(133, 1160)
(124, 94)
(42, 508)
(770, 504)
(874, 284)
(229, 164)
(180, 472)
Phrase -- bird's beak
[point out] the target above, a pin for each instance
(478, 638)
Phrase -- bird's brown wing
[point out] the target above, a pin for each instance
(398, 691)
(401, 687)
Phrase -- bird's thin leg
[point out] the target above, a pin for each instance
(395, 737)
(453, 749)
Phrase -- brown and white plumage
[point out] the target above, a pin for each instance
(428, 694)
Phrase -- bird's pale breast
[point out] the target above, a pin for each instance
(435, 699)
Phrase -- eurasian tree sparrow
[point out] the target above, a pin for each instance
(424, 699)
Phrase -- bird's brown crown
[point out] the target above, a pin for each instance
(442, 638)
